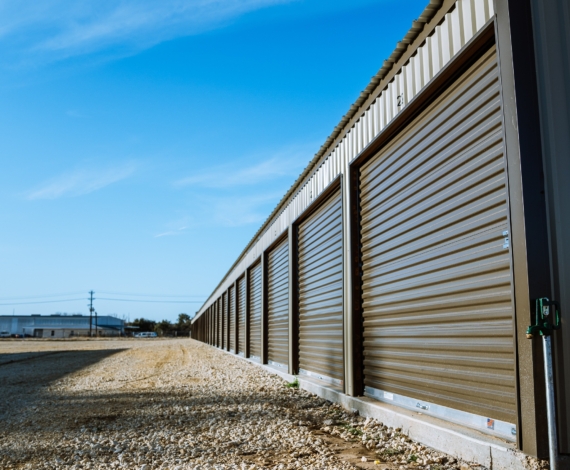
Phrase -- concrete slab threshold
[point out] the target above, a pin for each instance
(459, 441)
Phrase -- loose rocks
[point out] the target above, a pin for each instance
(178, 405)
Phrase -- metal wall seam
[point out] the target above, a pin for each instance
(448, 37)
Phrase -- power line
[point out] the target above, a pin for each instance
(151, 295)
(106, 298)
(156, 301)
(43, 302)
(25, 297)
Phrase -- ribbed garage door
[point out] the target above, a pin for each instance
(320, 294)
(241, 316)
(220, 319)
(438, 318)
(232, 318)
(255, 312)
(209, 325)
(224, 342)
(278, 306)
(214, 324)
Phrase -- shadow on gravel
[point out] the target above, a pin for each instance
(94, 411)
(24, 376)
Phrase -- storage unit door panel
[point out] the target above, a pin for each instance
(225, 322)
(220, 340)
(241, 316)
(278, 305)
(231, 319)
(255, 312)
(321, 293)
(437, 311)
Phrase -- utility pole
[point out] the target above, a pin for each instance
(91, 309)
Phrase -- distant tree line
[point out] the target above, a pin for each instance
(181, 327)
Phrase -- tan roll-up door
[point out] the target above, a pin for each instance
(220, 343)
(255, 312)
(232, 319)
(278, 306)
(241, 316)
(211, 327)
(224, 342)
(437, 310)
(320, 294)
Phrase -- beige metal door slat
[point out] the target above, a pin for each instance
(278, 305)
(320, 293)
(255, 312)
(437, 288)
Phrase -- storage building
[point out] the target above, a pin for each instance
(403, 264)
(60, 326)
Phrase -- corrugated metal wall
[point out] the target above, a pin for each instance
(438, 317)
(255, 312)
(278, 305)
(241, 315)
(232, 319)
(320, 293)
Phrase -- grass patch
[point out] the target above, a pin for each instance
(351, 430)
(413, 458)
(294, 384)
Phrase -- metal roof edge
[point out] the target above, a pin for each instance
(401, 47)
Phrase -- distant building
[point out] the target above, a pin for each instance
(60, 326)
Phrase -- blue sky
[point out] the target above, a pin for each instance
(144, 142)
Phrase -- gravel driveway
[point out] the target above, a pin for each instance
(176, 404)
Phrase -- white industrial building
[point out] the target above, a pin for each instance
(60, 326)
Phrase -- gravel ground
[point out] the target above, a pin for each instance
(177, 404)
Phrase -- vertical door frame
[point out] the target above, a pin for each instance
(246, 351)
(292, 234)
(264, 319)
(236, 306)
(529, 226)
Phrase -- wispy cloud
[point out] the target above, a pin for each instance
(285, 163)
(79, 182)
(65, 28)
(237, 211)
(170, 233)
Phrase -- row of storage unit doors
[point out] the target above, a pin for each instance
(436, 325)
(236, 317)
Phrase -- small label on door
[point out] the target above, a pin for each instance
(490, 423)
(388, 396)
